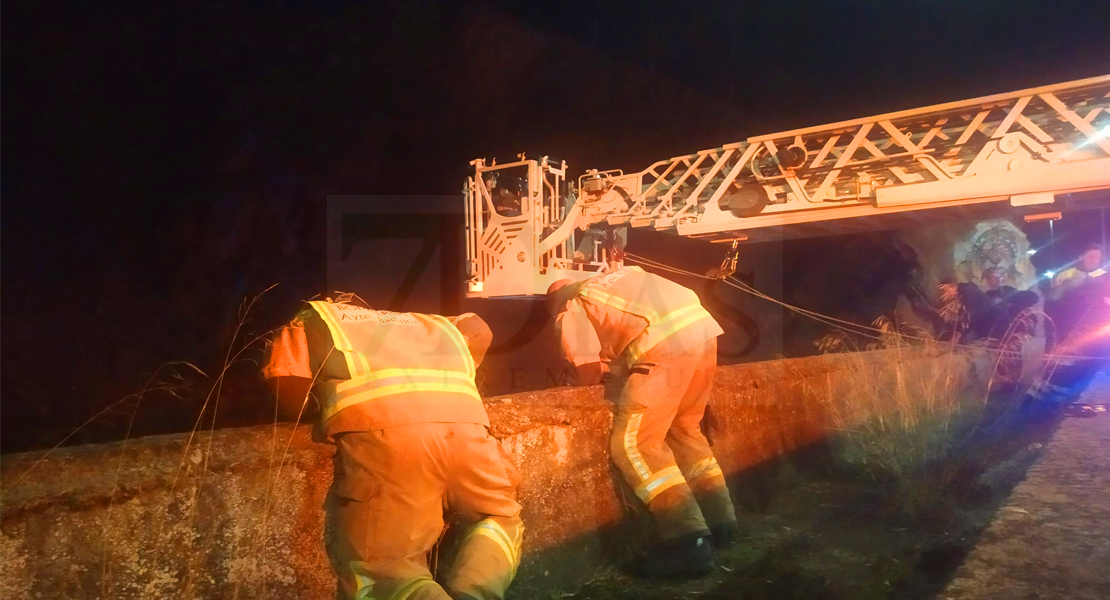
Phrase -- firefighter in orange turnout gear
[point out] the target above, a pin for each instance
(658, 331)
(399, 401)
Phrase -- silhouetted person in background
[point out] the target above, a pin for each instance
(1079, 307)
(1069, 298)
(996, 291)
(992, 312)
(507, 202)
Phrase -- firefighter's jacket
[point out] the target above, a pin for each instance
(379, 369)
(622, 315)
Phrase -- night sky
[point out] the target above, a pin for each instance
(164, 161)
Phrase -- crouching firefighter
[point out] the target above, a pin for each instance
(659, 333)
(399, 401)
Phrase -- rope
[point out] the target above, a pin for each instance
(848, 326)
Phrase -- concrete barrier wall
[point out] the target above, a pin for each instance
(244, 513)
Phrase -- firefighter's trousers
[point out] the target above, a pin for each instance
(658, 445)
(392, 488)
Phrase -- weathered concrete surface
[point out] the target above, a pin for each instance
(1052, 538)
(242, 513)
(161, 517)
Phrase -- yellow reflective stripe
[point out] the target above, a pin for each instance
(400, 388)
(409, 588)
(356, 361)
(619, 303)
(342, 341)
(680, 318)
(632, 446)
(704, 468)
(364, 584)
(394, 373)
(659, 483)
(416, 386)
(658, 331)
(457, 338)
(518, 541)
(399, 381)
(496, 533)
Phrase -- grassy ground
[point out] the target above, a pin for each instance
(916, 463)
(825, 530)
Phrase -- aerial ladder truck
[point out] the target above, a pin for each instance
(1017, 150)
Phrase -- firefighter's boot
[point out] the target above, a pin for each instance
(682, 558)
(723, 535)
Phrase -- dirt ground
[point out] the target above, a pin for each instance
(1052, 537)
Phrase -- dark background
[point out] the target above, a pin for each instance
(162, 162)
